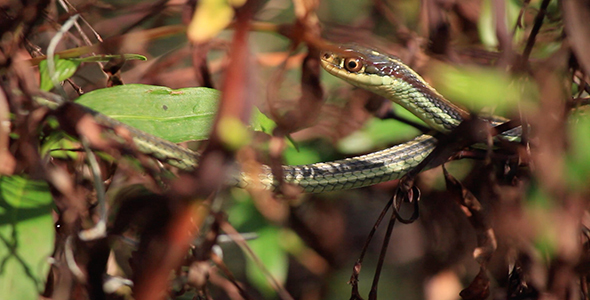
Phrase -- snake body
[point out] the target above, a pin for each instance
(389, 77)
(365, 68)
(391, 163)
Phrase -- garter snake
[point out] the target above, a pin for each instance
(365, 68)
(389, 77)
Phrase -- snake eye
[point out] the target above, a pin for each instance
(353, 64)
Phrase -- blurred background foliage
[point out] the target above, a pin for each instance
(310, 244)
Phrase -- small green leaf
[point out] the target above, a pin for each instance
(57, 144)
(269, 250)
(26, 237)
(175, 115)
(260, 122)
(105, 57)
(64, 69)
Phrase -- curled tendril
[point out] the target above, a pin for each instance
(406, 191)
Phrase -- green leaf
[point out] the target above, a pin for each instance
(26, 237)
(108, 57)
(57, 145)
(175, 115)
(479, 88)
(260, 122)
(64, 69)
(274, 257)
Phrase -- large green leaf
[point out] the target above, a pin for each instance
(26, 237)
(175, 115)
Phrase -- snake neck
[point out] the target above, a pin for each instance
(422, 101)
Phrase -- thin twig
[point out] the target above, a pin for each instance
(99, 229)
(240, 241)
(536, 27)
(386, 239)
(51, 52)
(357, 266)
(71, 261)
(221, 265)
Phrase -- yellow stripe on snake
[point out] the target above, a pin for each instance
(382, 74)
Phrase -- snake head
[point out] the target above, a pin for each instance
(359, 66)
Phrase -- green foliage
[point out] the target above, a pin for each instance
(27, 235)
(175, 115)
(478, 88)
(57, 145)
